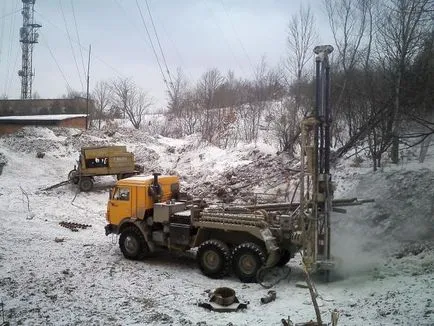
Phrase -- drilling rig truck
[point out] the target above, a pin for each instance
(147, 212)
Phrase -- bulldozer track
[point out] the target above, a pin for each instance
(74, 226)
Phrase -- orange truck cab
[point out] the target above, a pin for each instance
(133, 198)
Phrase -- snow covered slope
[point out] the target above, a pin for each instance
(52, 276)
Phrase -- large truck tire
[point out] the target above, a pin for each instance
(85, 184)
(214, 258)
(247, 259)
(133, 244)
(285, 256)
(73, 176)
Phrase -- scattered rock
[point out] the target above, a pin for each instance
(3, 162)
(40, 154)
(59, 239)
(301, 285)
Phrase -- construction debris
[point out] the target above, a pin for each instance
(74, 226)
(271, 296)
(56, 185)
(301, 285)
(223, 299)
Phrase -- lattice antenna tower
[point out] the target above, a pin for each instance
(28, 38)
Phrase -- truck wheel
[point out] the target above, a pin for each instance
(73, 176)
(285, 256)
(133, 244)
(213, 258)
(86, 184)
(247, 259)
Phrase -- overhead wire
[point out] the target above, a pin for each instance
(2, 31)
(133, 23)
(8, 58)
(70, 44)
(57, 63)
(81, 46)
(178, 53)
(10, 13)
(224, 37)
(152, 46)
(238, 37)
(9, 82)
(159, 44)
(78, 37)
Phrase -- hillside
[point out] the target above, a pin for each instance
(82, 278)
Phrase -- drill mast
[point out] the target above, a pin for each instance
(316, 191)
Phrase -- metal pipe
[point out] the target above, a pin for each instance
(271, 296)
(328, 119)
(317, 117)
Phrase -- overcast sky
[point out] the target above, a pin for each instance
(195, 35)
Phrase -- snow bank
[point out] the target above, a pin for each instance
(82, 279)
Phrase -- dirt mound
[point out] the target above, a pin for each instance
(399, 223)
(404, 204)
(263, 177)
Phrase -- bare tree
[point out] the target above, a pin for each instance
(301, 40)
(286, 125)
(177, 91)
(122, 89)
(207, 89)
(138, 105)
(402, 29)
(191, 114)
(102, 97)
(208, 85)
(133, 101)
(347, 19)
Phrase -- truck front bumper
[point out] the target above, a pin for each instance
(111, 228)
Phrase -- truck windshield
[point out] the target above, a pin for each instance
(121, 193)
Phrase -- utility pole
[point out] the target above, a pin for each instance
(28, 37)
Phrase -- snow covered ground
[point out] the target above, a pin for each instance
(50, 275)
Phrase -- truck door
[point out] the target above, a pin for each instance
(120, 204)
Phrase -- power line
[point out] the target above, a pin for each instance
(78, 37)
(70, 44)
(130, 19)
(159, 44)
(238, 37)
(178, 53)
(81, 46)
(152, 45)
(15, 68)
(10, 13)
(224, 37)
(57, 63)
(12, 26)
(2, 30)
